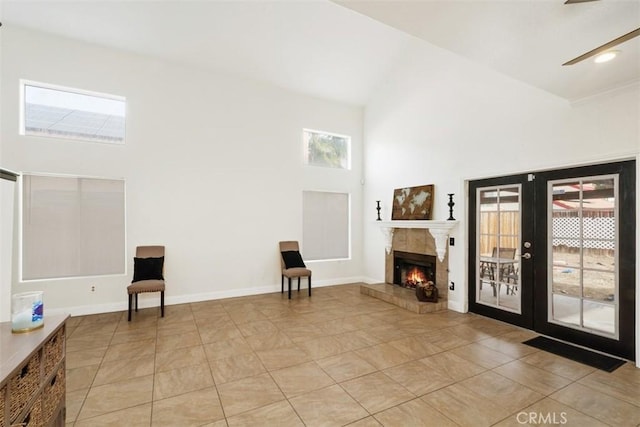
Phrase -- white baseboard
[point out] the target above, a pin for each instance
(153, 299)
(83, 310)
(458, 306)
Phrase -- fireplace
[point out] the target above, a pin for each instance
(410, 269)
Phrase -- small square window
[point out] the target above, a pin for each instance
(327, 150)
(59, 112)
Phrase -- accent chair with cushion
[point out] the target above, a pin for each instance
(292, 265)
(148, 275)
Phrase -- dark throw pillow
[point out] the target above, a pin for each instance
(293, 259)
(147, 269)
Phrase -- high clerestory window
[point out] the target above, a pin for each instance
(61, 112)
(327, 149)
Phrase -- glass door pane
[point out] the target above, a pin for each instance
(583, 273)
(498, 241)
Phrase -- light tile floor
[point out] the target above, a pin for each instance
(337, 358)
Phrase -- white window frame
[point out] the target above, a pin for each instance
(123, 270)
(305, 149)
(497, 189)
(22, 119)
(616, 300)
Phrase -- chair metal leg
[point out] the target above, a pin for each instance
(298, 283)
(309, 285)
(161, 303)
(136, 303)
(282, 283)
(130, 301)
(289, 287)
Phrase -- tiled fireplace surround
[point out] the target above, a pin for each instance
(420, 241)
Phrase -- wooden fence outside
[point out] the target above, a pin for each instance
(506, 227)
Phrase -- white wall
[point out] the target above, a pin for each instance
(7, 189)
(7, 198)
(212, 163)
(5, 285)
(440, 119)
(1, 33)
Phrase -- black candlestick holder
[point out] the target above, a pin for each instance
(450, 204)
(378, 209)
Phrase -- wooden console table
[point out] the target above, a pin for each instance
(32, 374)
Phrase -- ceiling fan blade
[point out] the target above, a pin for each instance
(606, 46)
(577, 1)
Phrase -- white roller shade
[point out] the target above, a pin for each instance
(72, 227)
(325, 231)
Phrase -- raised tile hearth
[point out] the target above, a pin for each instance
(402, 297)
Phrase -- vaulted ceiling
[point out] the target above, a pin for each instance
(528, 40)
(342, 50)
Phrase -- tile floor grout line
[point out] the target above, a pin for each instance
(580, 411)
(84, 400)
(155, 360)
(224, 414)
(286, 398)
(304, 313)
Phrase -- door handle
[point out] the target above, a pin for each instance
(526, 255)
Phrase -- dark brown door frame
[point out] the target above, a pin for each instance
(525, 319)
(534, 271)
(625, 346)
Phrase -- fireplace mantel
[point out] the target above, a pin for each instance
(438, 229)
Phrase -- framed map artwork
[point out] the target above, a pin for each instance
(412, 202)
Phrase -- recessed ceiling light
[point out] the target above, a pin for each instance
(606, 56)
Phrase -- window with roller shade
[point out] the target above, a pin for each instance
(325, 231)
(72, 227)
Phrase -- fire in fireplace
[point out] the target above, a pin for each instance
(412, 269)
(414, 277)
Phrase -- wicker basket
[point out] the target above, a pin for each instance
(53, 352)
(24, 384)
(427, 292)
(3, 393)
(34, 417)
(53, 394)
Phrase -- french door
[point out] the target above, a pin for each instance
(500, 222)
(554, 252)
